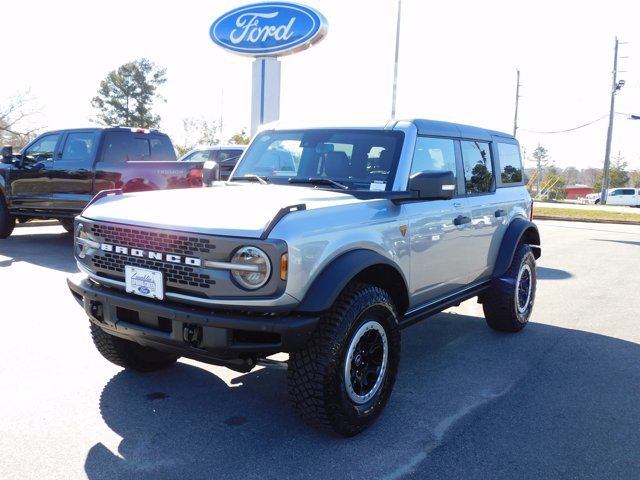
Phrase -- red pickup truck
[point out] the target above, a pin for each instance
(57, 174)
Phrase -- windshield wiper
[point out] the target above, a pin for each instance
(319, 181)
(253, 178)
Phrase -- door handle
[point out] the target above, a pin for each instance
(500, 213)
(461, 220)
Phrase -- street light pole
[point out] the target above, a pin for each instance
(515, 119)
(395, 67)
(607, 156)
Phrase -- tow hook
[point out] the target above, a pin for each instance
(192, 334)
(95, 308)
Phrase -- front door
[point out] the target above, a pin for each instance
(31, 182)
(439, 229)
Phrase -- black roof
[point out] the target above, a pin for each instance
(456, 130)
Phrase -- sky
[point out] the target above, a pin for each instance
(457, 62)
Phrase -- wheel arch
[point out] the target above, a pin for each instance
(363, 266)
(519, 231)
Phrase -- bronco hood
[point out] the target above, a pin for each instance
(243, 210)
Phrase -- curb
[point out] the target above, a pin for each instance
(584, 220)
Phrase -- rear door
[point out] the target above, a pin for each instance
(72, 173)
(31, 183)
(480, 188)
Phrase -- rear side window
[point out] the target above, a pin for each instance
(128, 146)
(78, 146)
(478, 171)
(510, 163)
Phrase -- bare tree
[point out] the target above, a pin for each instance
(17, 125)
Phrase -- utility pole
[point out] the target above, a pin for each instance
(615, 86)
(515, 119)
(395, 67)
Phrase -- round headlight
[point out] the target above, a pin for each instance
(253, 267)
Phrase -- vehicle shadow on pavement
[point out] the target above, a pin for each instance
(50, 250)
(546, 273)
(468, 403)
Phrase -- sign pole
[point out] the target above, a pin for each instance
(265, 92)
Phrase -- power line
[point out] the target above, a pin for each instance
(568, 129)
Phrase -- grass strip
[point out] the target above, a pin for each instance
(582, 215)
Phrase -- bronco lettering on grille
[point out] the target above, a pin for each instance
(137, 252)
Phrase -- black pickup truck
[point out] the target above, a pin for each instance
(57, 174)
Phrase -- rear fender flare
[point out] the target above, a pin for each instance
(519, 231)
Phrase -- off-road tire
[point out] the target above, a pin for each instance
(67, 224)
(130, 355)
(329, 379)
(509, 302)
(7, 221)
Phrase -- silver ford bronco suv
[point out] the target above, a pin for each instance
(324, 243)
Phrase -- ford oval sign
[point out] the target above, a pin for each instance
(268, 29)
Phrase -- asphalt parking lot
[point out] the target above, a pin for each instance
(559, 400)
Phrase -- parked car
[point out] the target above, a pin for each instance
(338, 238)
(616, 196)
(226, 156)
(56, 175)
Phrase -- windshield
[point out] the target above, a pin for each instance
(334, 159)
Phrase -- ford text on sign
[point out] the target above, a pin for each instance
(268, 29)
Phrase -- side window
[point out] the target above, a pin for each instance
(78, 146)
(43, 148)
(510, 163)
(116, 147)
(434, 154)
(478, 171)
(199, 156)
(227, 154)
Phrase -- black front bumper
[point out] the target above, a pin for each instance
(210, 336)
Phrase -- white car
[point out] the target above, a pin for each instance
(617, 196)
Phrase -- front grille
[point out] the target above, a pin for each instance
(157, 241)
(174, 274)
(183, 278)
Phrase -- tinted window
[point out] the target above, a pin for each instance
(78, 146)
(198, 156)
(43, 148)
(227, 154)
(434, 154)
(127, 146)
(510, 163)
(478, 172)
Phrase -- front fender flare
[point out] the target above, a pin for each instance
(335, 277)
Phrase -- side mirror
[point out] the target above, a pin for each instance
(7, 154)
(433, 185)
(210, 172)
